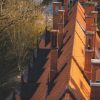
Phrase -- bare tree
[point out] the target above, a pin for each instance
(22, 22)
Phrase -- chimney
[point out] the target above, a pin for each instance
(66, 6)
(56, 6)
(53, 64)
(89, 22)
(54, 55)
(95, 67)
(89, 6)
(61, 28)
(95, 81)
(89, 51)
(94, 14)
(93, 28)
(66, 11)
(90, 40)
(92, 25)
(87, 68)
(54, 34)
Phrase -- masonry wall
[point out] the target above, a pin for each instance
(95, 93)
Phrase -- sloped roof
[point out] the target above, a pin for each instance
(78, 80)
(70, 62)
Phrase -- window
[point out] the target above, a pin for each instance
(56, 10)
(54, 40)
(94, 20)
(89, 44)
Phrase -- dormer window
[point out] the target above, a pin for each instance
(89, 47)
(97, 81)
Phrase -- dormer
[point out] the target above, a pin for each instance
(53, 55)
(61, 28)
(95, 70)
(56, 6)
(89, 52)
(66, 10)
(95, 81)
(94, 14)
(61, 16)
(53, 64)
(66, 6)
(89, 6)
(54, 34)
(93, 28)
(89, 21)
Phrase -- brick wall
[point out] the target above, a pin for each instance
(56, 6)
(61, 28)
(53, 64)
(95, 93)
(87, 68)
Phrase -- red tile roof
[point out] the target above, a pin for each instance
(72, 51)
(71, 62)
